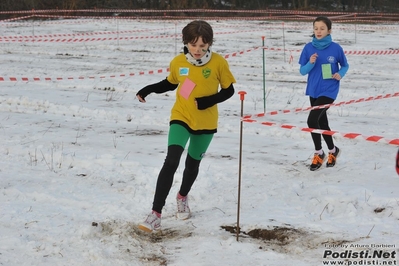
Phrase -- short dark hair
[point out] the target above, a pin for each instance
(326, 21)
(195, 29)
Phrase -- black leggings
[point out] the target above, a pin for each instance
(165, 177)
(318, 119)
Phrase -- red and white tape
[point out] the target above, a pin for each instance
(51, 36)
(87, 19)
(26, 79)
(149, 72)
(328, 132)
(297, 110)
(201, 10)
(2, 78)
(273, 14)
(360, 52)
(74, 40)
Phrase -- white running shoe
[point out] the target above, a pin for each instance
(183, 210)
(152, 223)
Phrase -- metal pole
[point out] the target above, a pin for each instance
(175, 38)
(117, 27)
(117, 30)
(33, 23)
(284, 42)
(355, 29)
(264, 77)
(242, 96)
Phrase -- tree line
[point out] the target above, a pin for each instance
(391, 6)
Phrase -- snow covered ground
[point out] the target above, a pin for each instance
(79, 155)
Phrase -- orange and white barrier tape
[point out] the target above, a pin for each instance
(88, 19)
(273, 14)
(328, 132)
(201, 10)
(69, 40)
(26, 79)
(297, 110)
(75, 40)
(16, 19)
(361, 52)
(149, 72)
(16, 37)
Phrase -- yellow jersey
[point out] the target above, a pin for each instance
(195, 82)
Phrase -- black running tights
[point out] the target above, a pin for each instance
(318, 119)
(165, 177)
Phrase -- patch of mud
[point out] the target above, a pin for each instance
(378, 210)
(280, 235)
(133, 243)
(286, 239)
(277, 235)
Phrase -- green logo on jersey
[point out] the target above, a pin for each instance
(206, 72)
